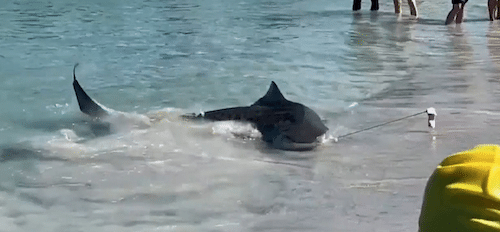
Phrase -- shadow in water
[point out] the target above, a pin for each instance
(18, 152)
(431, 21)
(82, 128)
(442, 21)
(477, 20)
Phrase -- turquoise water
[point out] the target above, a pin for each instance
(61, 171)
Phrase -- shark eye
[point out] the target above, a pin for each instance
(289, 117)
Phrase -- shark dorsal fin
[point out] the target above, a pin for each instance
(274, 93)
(273, 97)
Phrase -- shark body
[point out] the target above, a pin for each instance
(283, 124)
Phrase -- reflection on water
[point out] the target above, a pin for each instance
(364, 40)
(461, 53)
(382, 53)
(377, 40)
(493, 36)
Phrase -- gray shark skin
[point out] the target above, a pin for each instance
(283, 124)
(87, 105)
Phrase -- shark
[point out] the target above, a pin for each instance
(283, 124)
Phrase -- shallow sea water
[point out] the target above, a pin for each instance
(61, 171)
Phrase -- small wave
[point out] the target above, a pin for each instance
(236, 130)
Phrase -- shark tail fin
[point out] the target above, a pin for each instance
(87, 105)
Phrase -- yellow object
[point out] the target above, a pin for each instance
(463, 193)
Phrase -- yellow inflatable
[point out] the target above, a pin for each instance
(463, 193)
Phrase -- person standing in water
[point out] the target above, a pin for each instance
(493, 8)
(357, 5)
(411, 4)
(397, 6)
(457, 12)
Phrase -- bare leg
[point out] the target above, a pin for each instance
(356, 5)
(413, 8)
(492, 6)
(460, 14)
(498, 9)
(397, 6)
(453, 13)
(374, 5)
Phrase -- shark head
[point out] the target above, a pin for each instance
(299, 125)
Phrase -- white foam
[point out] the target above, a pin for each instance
(235, 129)
(123, 122)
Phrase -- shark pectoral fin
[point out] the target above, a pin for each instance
(87, 105)
(282, 142)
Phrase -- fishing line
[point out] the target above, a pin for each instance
(431, 120)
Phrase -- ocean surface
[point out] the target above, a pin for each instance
(62, 171)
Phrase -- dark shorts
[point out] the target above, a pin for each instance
(458, 1)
